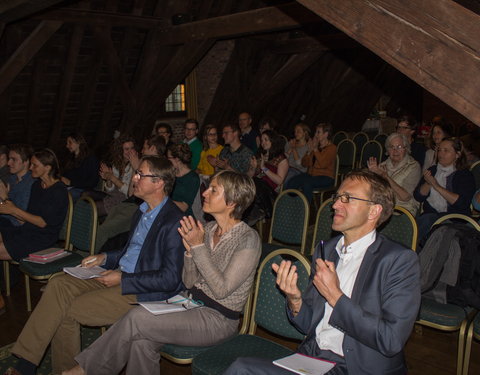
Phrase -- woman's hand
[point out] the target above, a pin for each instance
(192, 232)
(4, 189)
(7, 207)
(133, 158)
(105, 172)
(65, 180)
(373, 165)
(430, 179)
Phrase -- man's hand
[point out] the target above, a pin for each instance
(326, 281)
(93, 260)
(287, 282)
(110, 278)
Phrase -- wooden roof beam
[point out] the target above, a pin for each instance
(312, 43)
(25, 52)
(13, 10)
(434, 42)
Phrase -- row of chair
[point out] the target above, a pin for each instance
(79, 235)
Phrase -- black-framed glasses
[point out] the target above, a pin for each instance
(345, 198)
(141, 175)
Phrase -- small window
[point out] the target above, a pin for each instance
(176, 101)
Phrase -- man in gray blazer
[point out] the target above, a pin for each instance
(362, 301)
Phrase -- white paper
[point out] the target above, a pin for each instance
(304, 365)
(175, 304)
(84, 272)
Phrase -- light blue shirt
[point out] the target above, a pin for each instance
(19, 193)
(129, 260)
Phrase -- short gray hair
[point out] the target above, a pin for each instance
(404, 139)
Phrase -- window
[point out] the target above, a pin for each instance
(176, 101)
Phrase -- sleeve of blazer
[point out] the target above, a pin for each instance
(463, 185)
(384, 324)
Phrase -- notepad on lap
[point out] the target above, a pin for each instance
(175, 304)
(302, 364)
(84, 272)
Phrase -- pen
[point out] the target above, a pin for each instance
(90, 261)
(322, 250)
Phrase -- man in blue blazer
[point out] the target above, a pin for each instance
(148, 268)
(362, 301)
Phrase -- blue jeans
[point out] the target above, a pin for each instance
(308, 183)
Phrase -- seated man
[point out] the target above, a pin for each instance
(235, 156)
(20, 181)
(362, 301)
(148, 268)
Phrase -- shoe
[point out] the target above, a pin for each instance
(12, 371)
(2, 305)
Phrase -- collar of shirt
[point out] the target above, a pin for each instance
(190, 141)
(153, 213)
(356, 249)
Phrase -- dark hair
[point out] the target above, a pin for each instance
(191, 121)
(3, 150)
(238, 189)
(73, 160)
(327, 128)
(116, 154)
(380, 191)
(182, 152)
(278, 144)
(235, 128)
(412, 123)
(164, 125)
(158, 142)
(162, 168)
(23, 150)
(48, 158)
(270, 121)
(446, 128)
(205, 135)
(461, 162)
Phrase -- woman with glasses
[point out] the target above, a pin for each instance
(220, 262)
(211, 149)
(401, 170)
(446, 187)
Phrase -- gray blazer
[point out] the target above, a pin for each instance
(378, 319)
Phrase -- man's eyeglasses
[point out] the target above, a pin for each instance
(141, 175)
(345, 198)
(398, 147)
(403, 127)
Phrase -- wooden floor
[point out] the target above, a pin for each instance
(429, 352)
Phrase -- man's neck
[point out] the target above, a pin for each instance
(154, 201)
(235, 145)
(21, 174)
(246, 130)
(351, 237)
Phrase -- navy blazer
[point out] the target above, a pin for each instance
(158, 272)
(378, 319)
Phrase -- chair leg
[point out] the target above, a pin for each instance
(6, 276)
(468, 349)
(27, 293)
(461, 346)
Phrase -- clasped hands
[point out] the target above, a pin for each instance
(325, 280)
(192, 232)
(109, 278)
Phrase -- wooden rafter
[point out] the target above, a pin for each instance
(13, 10)
(25, 52)
(310, 43)
(434, 42)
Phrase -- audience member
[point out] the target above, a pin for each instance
(235, 156)
(267, 123)
(4, 172)
(407, 126)
(401, 171)
(187, 181)
(81, 169)
(211, 150)
(44, 216)
(446, 187)
(191, 131)
(148, 268)
(296, 150)
(363, 297)
(320, 162)
(440, 130)
(20, 182)
(219, 268)
(165, 130)
(249, 135)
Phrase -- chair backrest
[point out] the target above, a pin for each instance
(84, 225)
(466, 218)
(475, 169)
(346, 151)
(369, 149)
(290, 219)
(323, 224)
(381, 138)
(64, 234)
(339, 136)
(401, 227)
(359, 139)
(269, 301)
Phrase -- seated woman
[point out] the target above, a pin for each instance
(81, 169)
(44, 216)
(117, 174)
(296, 149)
(219, 269)
(211, 149)
(440, 131)
(319, 161)
(187, 181)
(445, 188)
(401, 170)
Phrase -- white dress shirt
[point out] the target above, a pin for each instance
(351, 257)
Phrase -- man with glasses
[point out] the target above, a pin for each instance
(191, 131)
(406, 126)
(234, 156)
(148, 268)
(362, 300)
